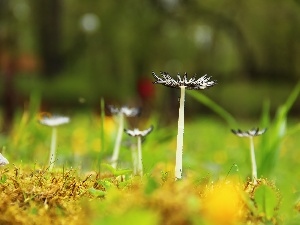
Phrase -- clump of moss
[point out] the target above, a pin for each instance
(65, 197)
(41, 196)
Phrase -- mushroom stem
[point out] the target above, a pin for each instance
(52, 148)
(115, 155)
(253, 161)
(179, 150)
(134, 159)
(140, 157)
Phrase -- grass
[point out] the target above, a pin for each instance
(215, 188)
(29, 192)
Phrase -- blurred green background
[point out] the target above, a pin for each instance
(72, 53)
(63, 56)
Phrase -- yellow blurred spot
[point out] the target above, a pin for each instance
(109, 126)
(173, 144)
(165, 170)
(79, 137)
(222, 204)
(96, 145)
(220, 157)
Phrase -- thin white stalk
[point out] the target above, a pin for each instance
(52, 148)
(140, 157)
(253, 161)
(116, 152)
(134, 159)
(179, 150)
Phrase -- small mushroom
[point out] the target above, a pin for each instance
(139, 134)
(54, 122)
(250, 134)
(3, 160)
(120, 112)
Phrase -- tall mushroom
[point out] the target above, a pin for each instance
(182, 83)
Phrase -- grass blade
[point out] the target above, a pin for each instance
(102, 136)
(271, 142)
(214, 107)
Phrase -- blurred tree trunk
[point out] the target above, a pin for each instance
(9, 92)
(47, 15)
(8, 67)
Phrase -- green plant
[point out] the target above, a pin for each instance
(116, 172)
(266, 200)
(203, 99)
(271, 143)
(102, 124)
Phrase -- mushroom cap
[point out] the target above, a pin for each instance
(3, 160)
(127, 111)
(54, 121)
(249, 133)
(190, 84)
(136, 132)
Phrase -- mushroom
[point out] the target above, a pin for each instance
(250, 134)
(138, 166)
(182, 83)
(3, 160)
(121, 112)
(54, 122)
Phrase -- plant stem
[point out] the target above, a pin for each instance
(253, 161)
(102, 136)
(140, 157)
(52, 148)
(115, 155)
(179, 150)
